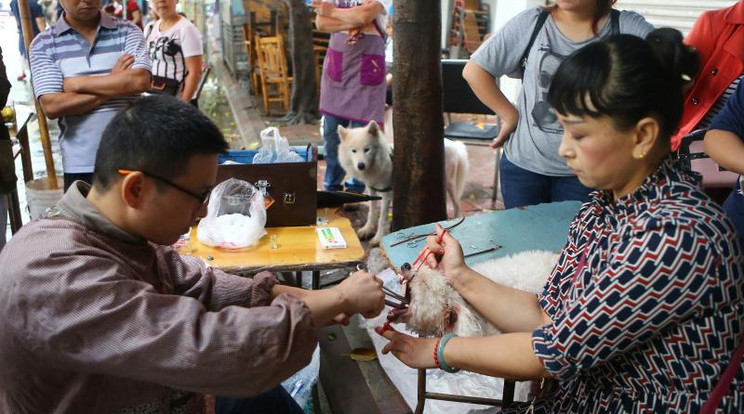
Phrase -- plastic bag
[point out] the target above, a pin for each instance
(300, 385)
(236, 216)
(275, 148)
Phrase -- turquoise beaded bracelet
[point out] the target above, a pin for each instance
(440, 353)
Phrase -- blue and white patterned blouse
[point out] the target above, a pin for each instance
(646, 302)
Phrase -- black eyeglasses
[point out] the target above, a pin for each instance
(203, 197)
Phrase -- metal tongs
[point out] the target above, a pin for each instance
(395, 299)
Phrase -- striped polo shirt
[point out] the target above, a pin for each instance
(60, 52)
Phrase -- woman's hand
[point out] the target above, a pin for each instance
(447, 252)
(414, 352)
(508, 123)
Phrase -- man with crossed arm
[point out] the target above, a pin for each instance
(86, 69)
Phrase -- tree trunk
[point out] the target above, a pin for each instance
(304, 106)
(417, 91)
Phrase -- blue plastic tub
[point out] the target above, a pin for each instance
(246, 156)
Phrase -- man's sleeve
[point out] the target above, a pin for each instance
(46, 75)
(215, 288)
(731, 118)
(135, 45)
(652, 280)
(93, 319)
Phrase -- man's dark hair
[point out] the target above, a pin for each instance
(157, 134)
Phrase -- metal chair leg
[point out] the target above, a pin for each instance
(496, 188)
(421, 393)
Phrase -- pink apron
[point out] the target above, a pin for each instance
(353, 85)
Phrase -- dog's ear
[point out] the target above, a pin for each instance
(342, 132)
(373, 128)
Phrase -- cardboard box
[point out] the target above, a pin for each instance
(292, 185)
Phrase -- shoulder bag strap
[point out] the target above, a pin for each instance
(615, 21)
(538, 26)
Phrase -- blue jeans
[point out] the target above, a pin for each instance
(334, 175)
(734, 207)
(520, 187)
(276, 401)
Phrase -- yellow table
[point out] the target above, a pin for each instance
(298, 250)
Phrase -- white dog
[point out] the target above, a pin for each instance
(366, 155)
(435, 307)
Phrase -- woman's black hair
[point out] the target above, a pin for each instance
(627, 78)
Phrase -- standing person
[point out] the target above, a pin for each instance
(531, 170)
(724, 142)
(101, 315)
(134, 14)
(645, 306)
(718, 36)
(7, 164)
(352, 91)
(86, 69)
(175, 49)
(38, 24)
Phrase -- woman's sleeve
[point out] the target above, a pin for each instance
(501, 53)
(635, 24)
(653, 279)
(191, 44)
(731, 117)
(703, 37)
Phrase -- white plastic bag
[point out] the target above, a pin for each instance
(236, 216)
(275, 148)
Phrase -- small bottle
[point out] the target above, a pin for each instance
(272, 240)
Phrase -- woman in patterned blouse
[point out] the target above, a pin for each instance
(645, 307)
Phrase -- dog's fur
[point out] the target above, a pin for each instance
(365, 154)
(436, 308)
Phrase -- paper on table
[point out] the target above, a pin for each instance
(331, 238)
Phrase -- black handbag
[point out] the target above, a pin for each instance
(164, 86)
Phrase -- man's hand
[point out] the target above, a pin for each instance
(124, 62)
(323, 8)
(362, 293)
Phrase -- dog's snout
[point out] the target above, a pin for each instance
(360, 166)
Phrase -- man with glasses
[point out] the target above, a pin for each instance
(100, 315)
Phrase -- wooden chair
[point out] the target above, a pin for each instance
(320, 48)
(272, 65)
(252, 30)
